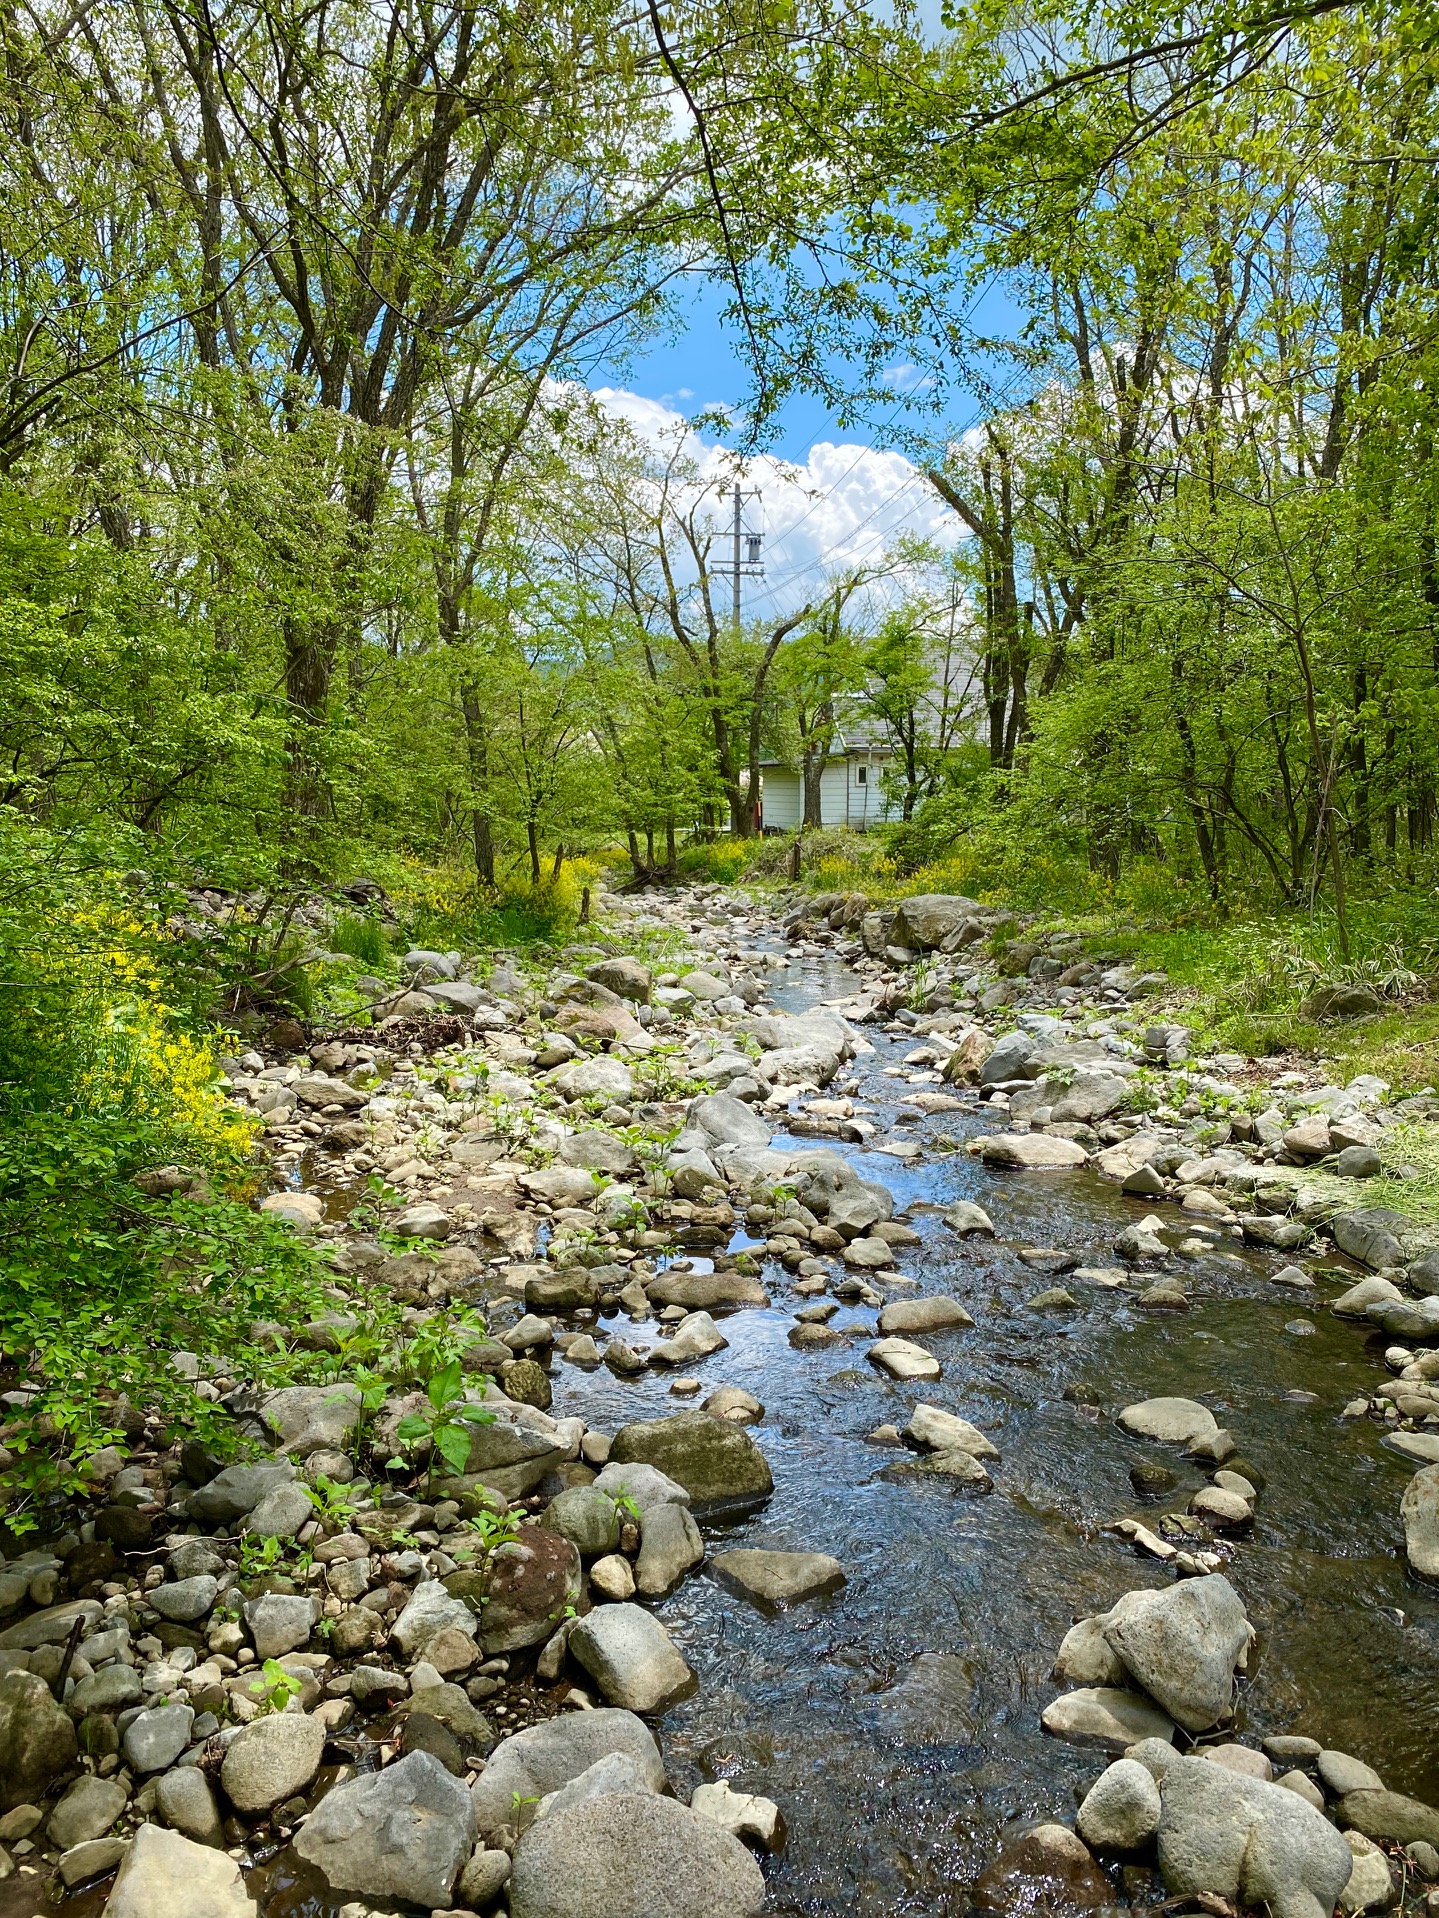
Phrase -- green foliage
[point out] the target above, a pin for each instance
(363, 938)
(444, 1425)
(275, 1687)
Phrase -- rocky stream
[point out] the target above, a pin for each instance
(949, 1449)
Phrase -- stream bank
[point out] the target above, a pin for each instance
(895, 1722)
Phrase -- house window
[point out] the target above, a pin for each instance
(861, 775)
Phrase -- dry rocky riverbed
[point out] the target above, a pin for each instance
(947, 1448)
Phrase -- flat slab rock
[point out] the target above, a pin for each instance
(903, 1359)
(775, 1579)
(1171, 1421)
(1106, 1718)
(1032, 1151)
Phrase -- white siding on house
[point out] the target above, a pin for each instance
(783, 799)
(849, 795)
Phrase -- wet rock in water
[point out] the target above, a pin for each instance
(697, 1337)
(1226, 1511)
(1243, 1839)
(717, 1463)
(37, 1739)
(1292, 1275)
(1170, 1421)
(166, 1875)
(631, 1657)
(627, 1852)
(1121, 1811)
(775, 1579)
(1373, 1235)
(1355, 1303)
(670, 1546)
(1032, 1151)
(966, 1219)
(1419, 1509)
(952, 1464)
(903, 1359)
(1086, 1657)
(1056, 1299)
(1389, 1814)
(1343, 1774)
(1182, 1645)
(1047, 1872)
(1151, 1480)
(937, 1313)
(754, 1819)
(700, 1291)
(1105, 1718)
(272, 1759)
(732, 1402)
(526, 1767)
(404, 1832)
(941, 1431)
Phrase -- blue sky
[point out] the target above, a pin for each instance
(832, 497)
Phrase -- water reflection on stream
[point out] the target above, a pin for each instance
(897, 1724)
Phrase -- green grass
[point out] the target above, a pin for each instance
(362, 938)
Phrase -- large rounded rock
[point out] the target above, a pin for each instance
(1032, 1151)
(166, 1875)
(1419, 1508)
(670, 1546)
(37, 1739)
(1121, 1812)
(1046, 1872)
(1389, 1814)
(525, 1591)
(934, 1314)
(719, 1465)
(271, 1760)
(1248, 1841)
(1171, 1421)
(404, 1832)
(1106, 1718)
(588, 1519)
(1182, 1645)
(776, 1579)
(631, 1657)
(630, 1852)
(87, 1811)
(528, 1766)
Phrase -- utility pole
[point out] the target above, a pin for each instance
(749, 566)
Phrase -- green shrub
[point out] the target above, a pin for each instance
(362, 938)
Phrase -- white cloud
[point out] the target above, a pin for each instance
(845, 505)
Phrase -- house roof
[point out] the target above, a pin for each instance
(843, 748)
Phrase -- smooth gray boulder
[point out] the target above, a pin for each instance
(157, 1737)
(775, 1579)
(937, 1313)
(186, 1599)
(312, 1418)
(1122, 1810)
(37, 1739)
(670, 1546)
(1009, 1059)
(718, 1464)
(404, 1832)
(429, 1611)
(1182, 1645)
(88, 1810)
(271, 1759)
(530, 1764)
(631, 1657)
(644, 1485)
(1244, 1839)
(166, 1875)
(185, 1802)
(1171, 1421)
(235, 1492)
(1419, 1509)
(590, 1520)
(1105, 1717)
(279, 1622)
(629, 1853)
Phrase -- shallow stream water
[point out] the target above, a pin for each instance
(897, 1723)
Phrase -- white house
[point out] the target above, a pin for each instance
(849, 788)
